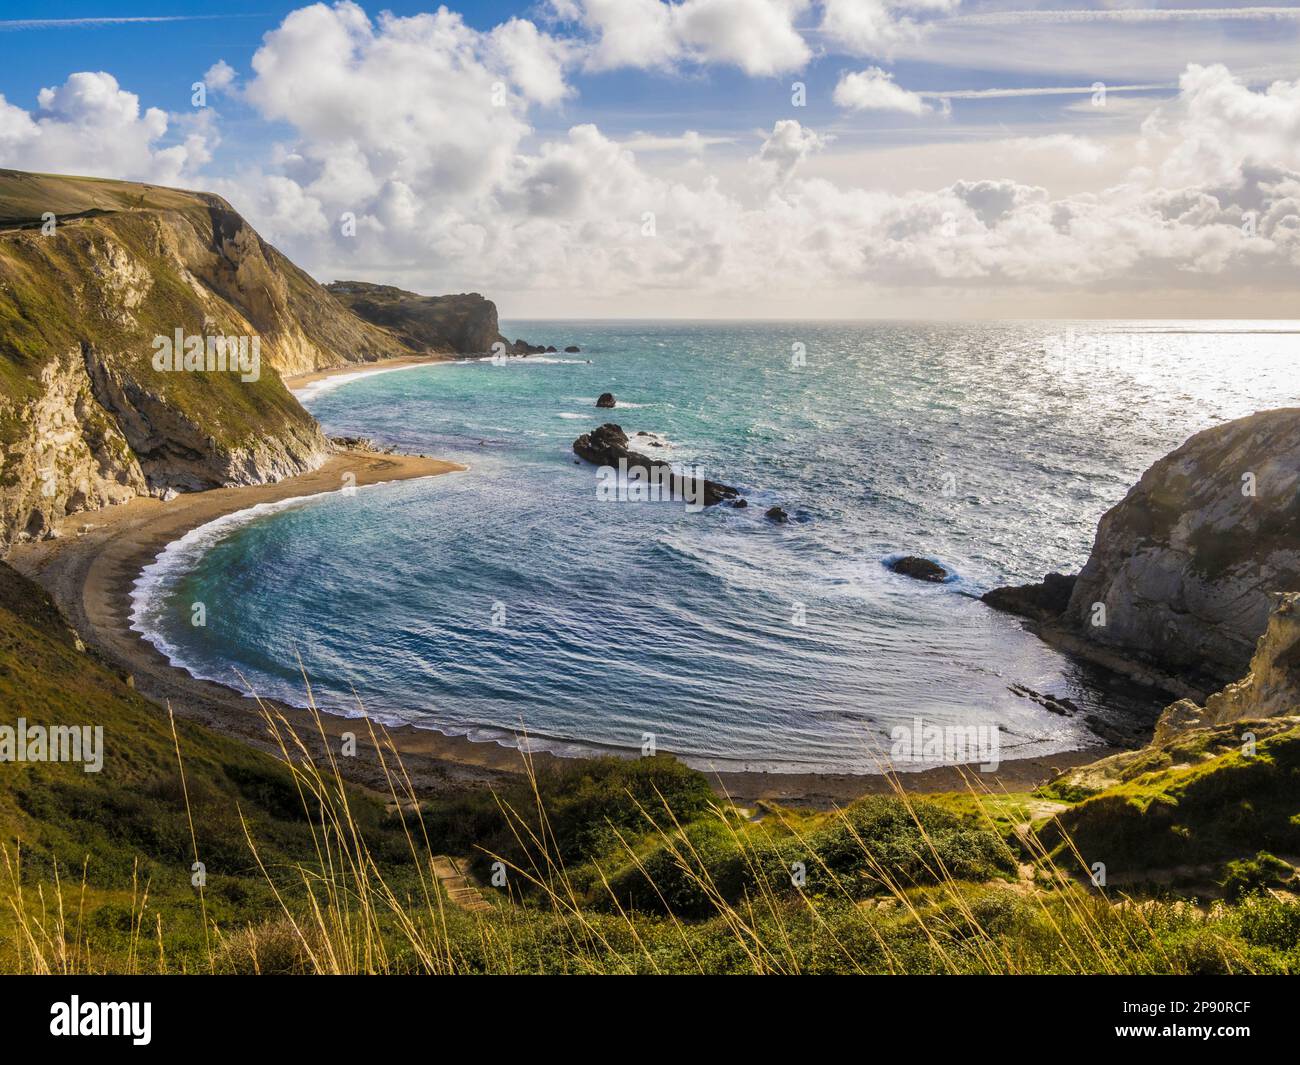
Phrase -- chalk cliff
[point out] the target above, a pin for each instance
(1183, 570)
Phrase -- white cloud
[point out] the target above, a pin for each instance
(400, 122)
(875, 90)
(1217, 124)
(534, 60)
(220, 76)
(874, 27)
(1133, 15)
(758, 36)
(456, 195)
(1079, 149)
(690, 141)
(90, 125)
(788, 145)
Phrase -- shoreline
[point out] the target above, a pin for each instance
(299, 381)
(91, 572)
(91, 575)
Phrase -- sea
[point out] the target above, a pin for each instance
(523, 603)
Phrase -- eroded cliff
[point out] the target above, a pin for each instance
(91, 273)
(1183, 570)
(463, 324)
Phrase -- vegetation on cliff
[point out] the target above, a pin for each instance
(428, 325)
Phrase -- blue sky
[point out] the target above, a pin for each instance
(885, 190)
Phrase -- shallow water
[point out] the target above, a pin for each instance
(510, 596)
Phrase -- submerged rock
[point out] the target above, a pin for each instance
(776, 514)
(921, 569)
(606, 400)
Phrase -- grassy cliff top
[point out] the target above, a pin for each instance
(26, 197)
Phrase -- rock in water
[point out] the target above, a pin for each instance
(921, 569)
(1184, 565)
(573, 349)
(776, 514)
(606, 400)
(1042, 602)
(607, 446)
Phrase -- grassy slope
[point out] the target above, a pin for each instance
(612, 866)
(1192, 806)
(129, 820)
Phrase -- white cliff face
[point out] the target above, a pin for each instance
(87, 419)
(1270, 689)
(1185, 565)
(67, 456)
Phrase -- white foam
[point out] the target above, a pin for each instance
(184, 555)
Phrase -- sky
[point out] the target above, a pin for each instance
(708, 158)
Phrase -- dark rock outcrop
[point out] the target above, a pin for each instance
(464, 324)
(572, 349)
(1042, 602)
(607, 446)
(776, 514)
(921, 569)
(606, 400)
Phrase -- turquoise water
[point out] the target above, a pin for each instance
(510, 598)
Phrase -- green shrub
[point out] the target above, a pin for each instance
(1249, 876)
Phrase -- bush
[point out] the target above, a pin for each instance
(273, 948)
(1249, 876)
(1268, 922)
(913, 843)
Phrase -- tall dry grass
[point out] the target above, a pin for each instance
(341, 912)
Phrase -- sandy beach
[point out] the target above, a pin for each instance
(300, 381)
(91, 567)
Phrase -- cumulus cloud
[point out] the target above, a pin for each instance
(91, 125)
(421, 128)
(875, 90)
(1217, 124)
(220, 77)
(788, 145)
(873, 27)
(400, 121)
(758, 36)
